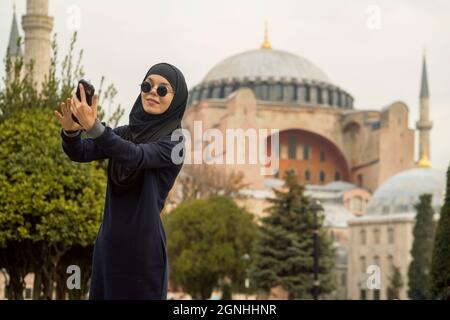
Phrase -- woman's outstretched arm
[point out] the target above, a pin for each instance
(155, 154)
(83, 150)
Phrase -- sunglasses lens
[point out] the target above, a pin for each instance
(146, 87)
(162, 91)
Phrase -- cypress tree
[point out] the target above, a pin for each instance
(440, 263)
(419, 269)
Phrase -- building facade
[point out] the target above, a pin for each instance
(322, 136)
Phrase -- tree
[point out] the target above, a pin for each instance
(440, 263)
(419, 268)
(284, 250)
(48, 204)
(204, 181)
(395, 284)
(207, 239)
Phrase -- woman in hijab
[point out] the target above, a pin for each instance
(130, 258)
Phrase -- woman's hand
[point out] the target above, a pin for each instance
(65, 119)
(85, 114)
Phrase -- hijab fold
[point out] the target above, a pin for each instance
(144, 127)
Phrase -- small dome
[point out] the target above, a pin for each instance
(400, 192)
(265, 64)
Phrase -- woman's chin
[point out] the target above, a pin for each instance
(151, 109)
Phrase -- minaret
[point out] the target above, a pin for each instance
(14, 50)
(37, 26)
(424, 125)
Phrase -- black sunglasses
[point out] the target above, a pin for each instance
(161, 90)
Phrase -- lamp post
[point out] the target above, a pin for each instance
(246, 258)
(315, 207)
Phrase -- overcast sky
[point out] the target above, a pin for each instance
(372, 49)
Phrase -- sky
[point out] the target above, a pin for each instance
(372, 49)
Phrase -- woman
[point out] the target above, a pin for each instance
(130, 260)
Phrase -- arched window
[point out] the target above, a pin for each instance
(363, 236)
(319, 95)
(264, 91)
(376, 236)
(306, 152)
(289, 92)
(322, 176)
(390, 260)
(216, 92)
(337, 176)
(292, 146)
(307, 94)
(322, 156)
(376, 261)
(276, 92)
(362, 261)
(307, 175)
(391, 235)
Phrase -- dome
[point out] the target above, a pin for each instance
(264, 64)
(399, 193)
(274, 76)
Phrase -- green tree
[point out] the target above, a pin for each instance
(395, 284)
(419, 268)
(207, 239)
(284, 250)
(48, 203)
(49, 206)
(440, 263)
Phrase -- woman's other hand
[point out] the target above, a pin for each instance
(85, 114)
(65, 119)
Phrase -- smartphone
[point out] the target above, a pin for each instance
(89, 90)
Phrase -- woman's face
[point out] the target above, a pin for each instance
(151, 101)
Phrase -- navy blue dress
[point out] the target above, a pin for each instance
(130, 257)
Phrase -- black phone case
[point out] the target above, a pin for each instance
(89, 90)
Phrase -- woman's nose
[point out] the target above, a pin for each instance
(153, 92)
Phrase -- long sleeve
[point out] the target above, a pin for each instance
(82, 150)
(155, 154)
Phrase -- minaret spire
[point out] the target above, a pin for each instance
(14, 49)
(424, 125)
(424, 83)
(266, 44)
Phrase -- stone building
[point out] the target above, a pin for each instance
(328, 142)
(323, 137)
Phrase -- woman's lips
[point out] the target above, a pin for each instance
(152, 100)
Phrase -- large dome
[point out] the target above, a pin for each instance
(265, 64)
(399, 193)
(272, 75)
